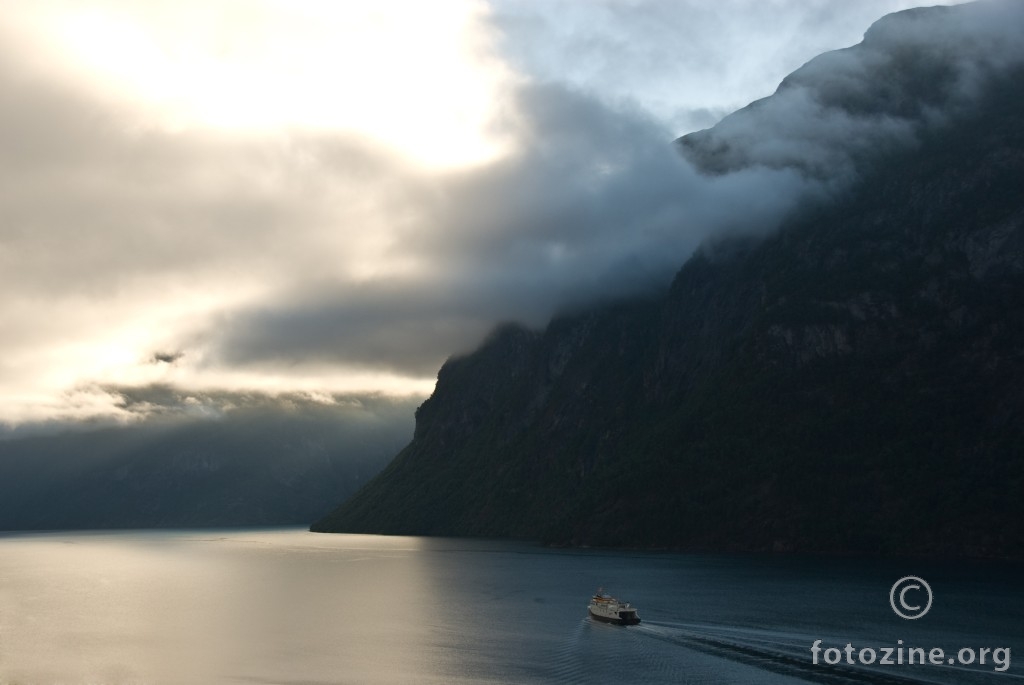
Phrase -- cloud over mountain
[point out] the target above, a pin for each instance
(156, 269)
(916, 69)
(313, 260)
(594, 204)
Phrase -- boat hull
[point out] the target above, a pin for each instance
(616, 620)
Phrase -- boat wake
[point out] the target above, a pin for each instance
(667, 652)
(568, 665)
(787, 654)
(599, 652)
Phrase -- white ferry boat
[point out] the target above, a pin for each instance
(610, 610)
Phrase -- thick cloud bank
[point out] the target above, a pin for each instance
(594, 204)
(138, 256)
(304, 260)
(916, 69)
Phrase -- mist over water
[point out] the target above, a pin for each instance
(287, 606)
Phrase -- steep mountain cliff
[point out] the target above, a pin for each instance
(852, 383)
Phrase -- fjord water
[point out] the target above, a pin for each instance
(288, 606)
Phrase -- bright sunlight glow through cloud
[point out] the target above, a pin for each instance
(259, 66)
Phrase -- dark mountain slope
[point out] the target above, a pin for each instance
(853, 383)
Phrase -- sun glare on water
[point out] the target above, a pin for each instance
(418, 78)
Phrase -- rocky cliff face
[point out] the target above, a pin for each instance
(853, 383)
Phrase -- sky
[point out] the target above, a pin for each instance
(327, 199)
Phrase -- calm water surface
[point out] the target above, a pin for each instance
(288, 606)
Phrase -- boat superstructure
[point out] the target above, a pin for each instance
(604, 607)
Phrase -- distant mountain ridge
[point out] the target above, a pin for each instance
(252, 466)
(852, 383)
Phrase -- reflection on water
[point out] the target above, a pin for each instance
(187, 607)
(289, 606)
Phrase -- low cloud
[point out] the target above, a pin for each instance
(688, 62)
(136, 256)
(167, 357)
(595, 204)
(915, 71)
(151, 408)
